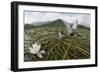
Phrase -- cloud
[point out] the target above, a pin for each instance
(31, 16)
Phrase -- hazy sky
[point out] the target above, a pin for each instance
(31, 16)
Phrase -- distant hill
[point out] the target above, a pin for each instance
(55, 23)
(39, 23)
(83, 27)
(29, 26)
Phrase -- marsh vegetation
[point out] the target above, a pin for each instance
(66, 48)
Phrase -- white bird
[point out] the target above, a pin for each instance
(35, 49)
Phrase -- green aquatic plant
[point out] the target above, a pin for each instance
(64, 48)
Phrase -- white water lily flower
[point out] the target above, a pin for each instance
(40, 53)
(60, 35)
(35, 49)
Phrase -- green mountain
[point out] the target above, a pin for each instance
(29, 26)
(39, 23)
(83, 27)
(55, 23)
